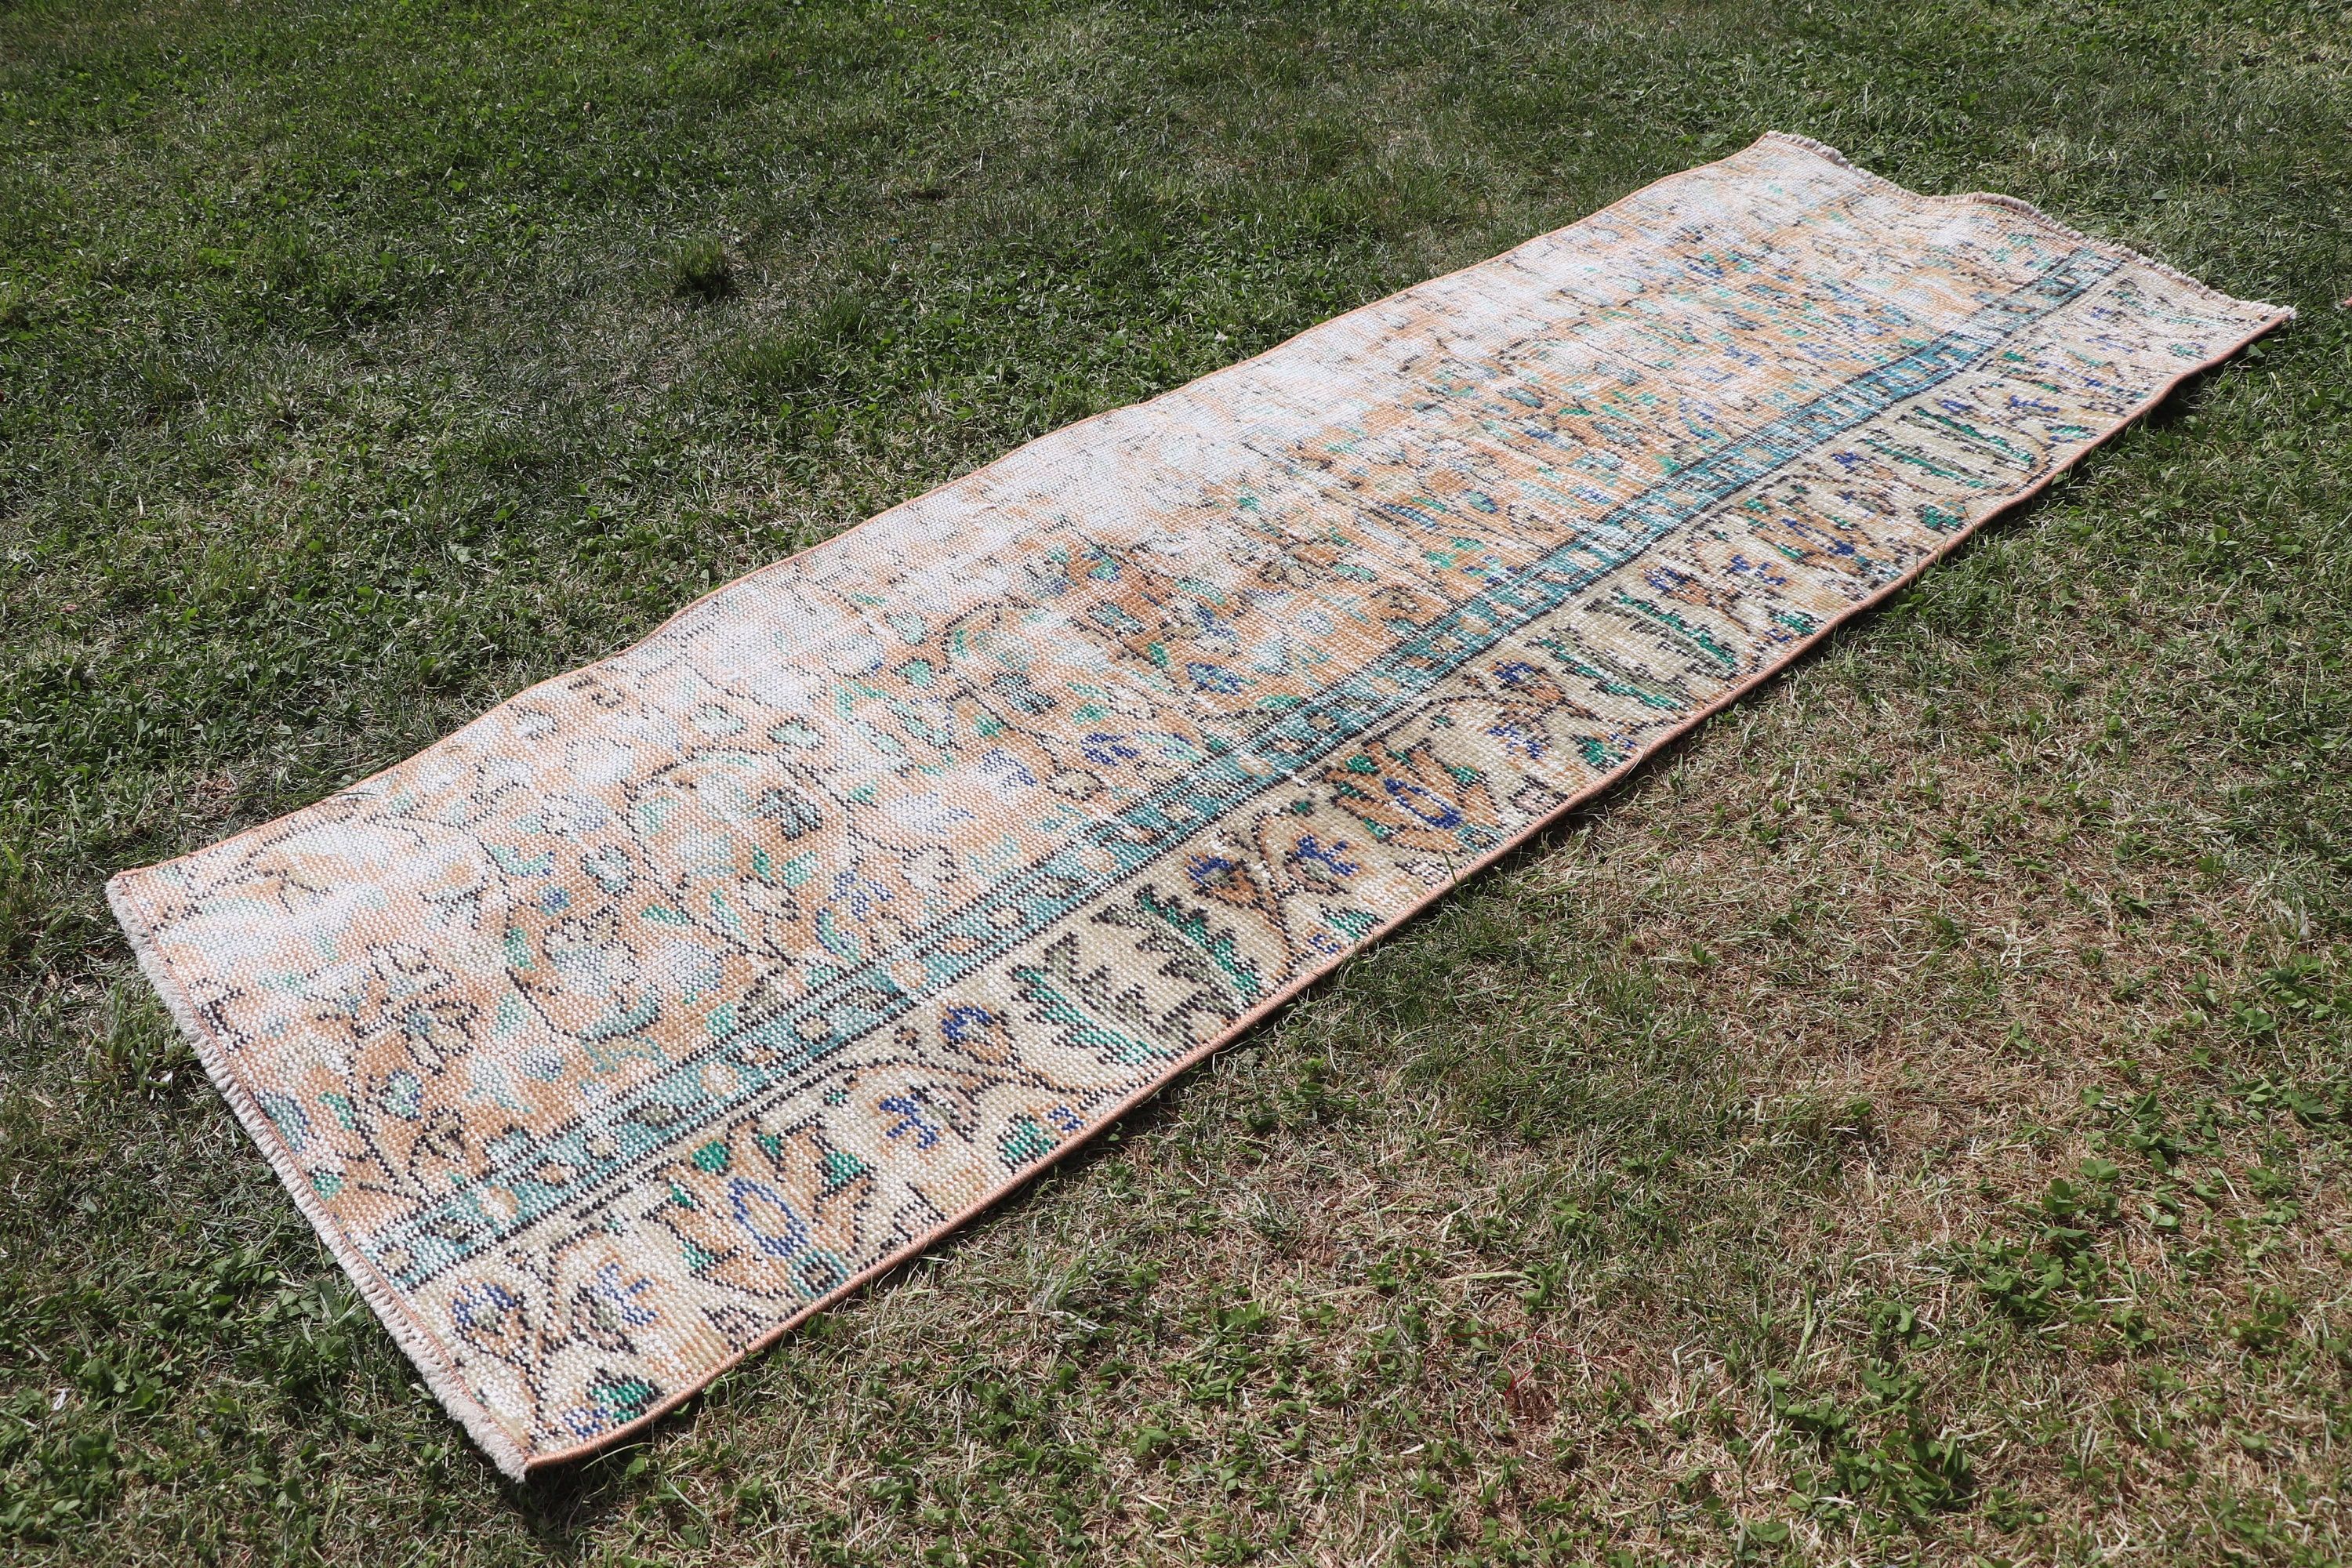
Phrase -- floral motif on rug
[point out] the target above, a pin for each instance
(613, 1034)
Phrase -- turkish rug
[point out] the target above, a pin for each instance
(612, 1035)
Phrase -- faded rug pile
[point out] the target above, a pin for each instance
(615, 1033)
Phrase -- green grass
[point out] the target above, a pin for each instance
(1910, 1121)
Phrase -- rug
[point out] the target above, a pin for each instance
(609, 1038)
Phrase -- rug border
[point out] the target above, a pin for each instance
(431, 1357)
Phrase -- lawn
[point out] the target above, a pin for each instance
(1912, 1120)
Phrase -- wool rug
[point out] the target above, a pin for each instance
(614, 1033)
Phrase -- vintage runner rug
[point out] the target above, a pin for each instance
(613, 1035)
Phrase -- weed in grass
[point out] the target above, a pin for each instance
(702, 269)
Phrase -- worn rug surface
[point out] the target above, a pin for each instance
(613, 1034)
